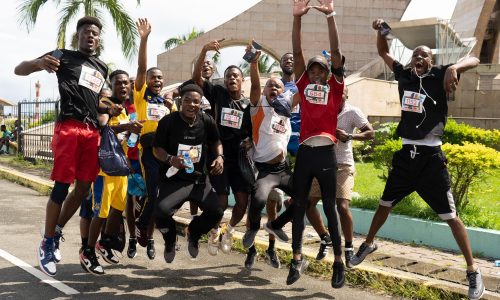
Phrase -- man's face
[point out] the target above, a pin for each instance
(286, 64)
(317, 74)
(273, 88)
(155, 81)
(207, 70)
(191, 102)
(120, 87)
(421, 60)
(233, 79)
(89, 37)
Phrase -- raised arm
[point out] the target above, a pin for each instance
(326, 7)
(198, 67)
(382, 46)
(255, 90)
(144, 29)
(451, 76)
(47, 63)
(300, 8)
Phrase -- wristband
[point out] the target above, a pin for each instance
(221, 155)
(333, 13)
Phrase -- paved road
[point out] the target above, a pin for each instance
(221, 277)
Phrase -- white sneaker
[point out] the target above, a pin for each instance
(213, 241)
(227, 241)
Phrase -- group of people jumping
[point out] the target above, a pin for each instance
(192, 152)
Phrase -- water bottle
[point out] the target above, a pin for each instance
(327, 56)
(188, 163)
(132, 139)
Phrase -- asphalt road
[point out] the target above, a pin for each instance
(22, 213)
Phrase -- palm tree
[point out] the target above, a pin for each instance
(265, 65)
(181, 39)
(124, 24)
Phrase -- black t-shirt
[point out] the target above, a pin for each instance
(417, 121)
(175, 136)
(232, 117)
(80, 79)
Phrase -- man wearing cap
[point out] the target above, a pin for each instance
(320, 100)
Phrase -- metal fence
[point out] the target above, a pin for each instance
(36, 121)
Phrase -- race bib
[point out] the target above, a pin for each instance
(91, 79)
(205, 104)
(317, 93)
(278, 125)
(194, 151)
(231, 118)
(156, 111)
(413, 102)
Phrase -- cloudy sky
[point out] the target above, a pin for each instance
(169, 19)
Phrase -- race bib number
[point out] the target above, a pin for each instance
(317, 93)
(413, 102)
(156, 111)
(231, 118)
(91, 79)
(194, 151)
(278, 125)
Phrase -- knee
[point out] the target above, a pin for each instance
(59, 192)
(343, 206)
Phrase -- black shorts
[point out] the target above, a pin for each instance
(421, 169)
(231, 177)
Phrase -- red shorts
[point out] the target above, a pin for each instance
(75, 146)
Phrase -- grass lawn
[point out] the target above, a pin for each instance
(483, 210)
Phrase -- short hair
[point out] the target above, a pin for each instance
(191, 88)
(88, 20)
(116, 73)
(151, 70)
(233, 67)
(287, 53)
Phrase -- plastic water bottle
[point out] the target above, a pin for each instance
(327, 56)
(188, 163)
(132, 139)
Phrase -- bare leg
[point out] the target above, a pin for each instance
(130, 215)
(460, 235)
(95, 231)
(345, 218)
(113, 222)
(239, 208)
(271, 208)
(378, 220)
(73, 201)
(314, 217)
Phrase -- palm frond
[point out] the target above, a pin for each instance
(28, 12)
(67, 12)
(172, 43)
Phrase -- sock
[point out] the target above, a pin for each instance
(252, 249)
(271, 244)
(348, 244)
(325, 237)
(59, 228)
(85, 241)
(192, 216)
(472, 268)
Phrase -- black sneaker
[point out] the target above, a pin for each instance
(169, 252)
(338, 276)
(362, 253)
(249, 238)
(132, 248)
(81, 264)
(141, 235)
(193, 246)
(89, 260)
(272, 258)
(250, 260)
(150, 249)
(324, 248)
(106, 253)
(476, 285)
(278, 233)
(349, 253)
(297, 267)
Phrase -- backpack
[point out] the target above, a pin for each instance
(111, 156)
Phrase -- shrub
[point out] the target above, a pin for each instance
(382, 156)
(455, 133)
(467, 164)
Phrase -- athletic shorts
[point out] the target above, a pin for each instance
(421, 169)
(230, 178)
(315, 191)
(345, 181)
(74, 147)
(109, 191)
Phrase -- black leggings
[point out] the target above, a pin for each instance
(173, 194)
(319, 162)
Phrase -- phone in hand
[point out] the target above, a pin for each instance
(249, 56)
(57, 54)
(385, 30)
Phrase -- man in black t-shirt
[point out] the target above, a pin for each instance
(188, 132)
(231, 111)
(421, 165)
(80, 75)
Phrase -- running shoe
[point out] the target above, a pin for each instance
(141, 235)
(272, 258)
(169, 252)
(213, 241)
(81, 264)
(338, 276)
(476, 285)
(362, 253)
(150, 249)
(132, 248)
(250, 259)
(45, 255)
(89, 260)
(106, 253)
(58, 237)
(226, 242)
(297, 267)
(193, 246)
(249, 238)
(349, 253)
(324, 248)
(278, 233)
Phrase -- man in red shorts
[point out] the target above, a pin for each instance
(81, 76)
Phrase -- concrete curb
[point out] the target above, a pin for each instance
(44, 187)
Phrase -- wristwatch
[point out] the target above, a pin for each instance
(349, 137)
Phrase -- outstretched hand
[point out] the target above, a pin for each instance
(48, 63)
(143, 27)
(450, 81)
(326, 6)
(377, 24)
(300, 7)
(214, 45)
(250, 48)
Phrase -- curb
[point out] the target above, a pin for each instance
(44, 187)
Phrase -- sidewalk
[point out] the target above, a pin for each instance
(394, 261)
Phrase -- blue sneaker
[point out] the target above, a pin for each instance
(58, 236)
(45, 254)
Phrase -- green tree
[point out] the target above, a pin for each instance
(265, 65)
(70, 9)
(181, 39)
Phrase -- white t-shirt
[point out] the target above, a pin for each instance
(349, 118)
(270, 131)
